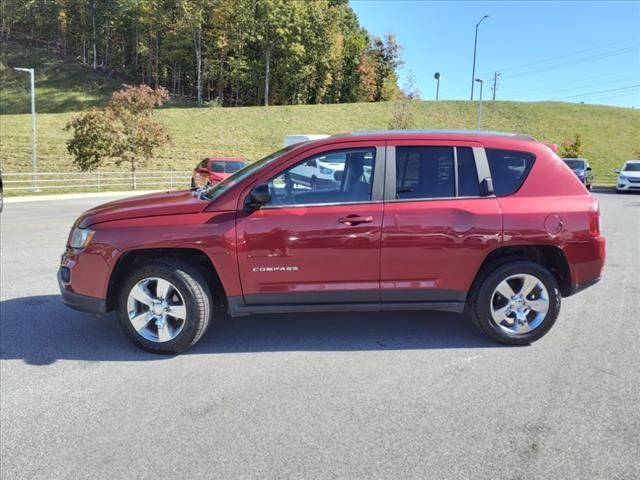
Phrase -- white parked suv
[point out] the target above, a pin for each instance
(319, 172)
(629, 177)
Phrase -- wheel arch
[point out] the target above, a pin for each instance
(549, 256)
(134, 258)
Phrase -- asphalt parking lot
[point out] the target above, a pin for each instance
(366, 396)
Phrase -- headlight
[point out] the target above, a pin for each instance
(325, 171)
(622, 177)
(81, 237)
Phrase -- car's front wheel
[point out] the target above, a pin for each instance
(516, 303)
(165, 306)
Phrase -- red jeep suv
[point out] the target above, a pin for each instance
(491, 224)
(215, 169)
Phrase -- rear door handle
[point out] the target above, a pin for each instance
(355, 220)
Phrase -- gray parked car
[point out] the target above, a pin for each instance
(582, 169)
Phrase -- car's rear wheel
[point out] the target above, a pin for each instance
(165, 306)
(516, 303)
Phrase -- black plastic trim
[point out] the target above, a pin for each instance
(422, 295)
(238, 308)
(581, 286)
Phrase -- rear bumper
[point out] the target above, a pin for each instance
(578, 287)
(83, 303)
(586, 260)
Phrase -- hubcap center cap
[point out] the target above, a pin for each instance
(158, 309)
(518, 301)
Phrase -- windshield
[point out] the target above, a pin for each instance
(229, 166)
(218, 189)
(632, 167)
(575, 164)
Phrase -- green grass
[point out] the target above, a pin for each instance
(60, 87)
(611, 135)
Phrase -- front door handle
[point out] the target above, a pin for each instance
(355, 220)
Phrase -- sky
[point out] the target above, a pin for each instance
(573, 51)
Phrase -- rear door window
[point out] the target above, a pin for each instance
(509, 169)
(424, 172)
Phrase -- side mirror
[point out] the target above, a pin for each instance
(337, 175)
(311, 163)
(259, 196)
(617, 171)
(486, 187)
(589, 168)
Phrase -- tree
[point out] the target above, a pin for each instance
(403, 115)
(126, 130)
(194, 14)
(572, 147)
(242, 52)
(94, 138)
(272, 29)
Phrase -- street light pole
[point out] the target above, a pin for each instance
(480, 81)
(437, 77)
(475, 47)
(34, 158)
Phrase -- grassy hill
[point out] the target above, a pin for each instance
(60, 87)
(611, 135)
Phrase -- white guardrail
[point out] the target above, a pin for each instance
(97, 181)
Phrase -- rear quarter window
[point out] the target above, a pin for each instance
(509, 169)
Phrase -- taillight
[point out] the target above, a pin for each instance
(594, 218)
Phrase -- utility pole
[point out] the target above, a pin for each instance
(34, 158)
(495, 83)
(475, 47)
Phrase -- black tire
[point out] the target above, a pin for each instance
(197, 297)
(479, 306)
(193, 183)
(589, 187)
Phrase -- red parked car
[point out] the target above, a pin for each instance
(212, 170)
(449, 221)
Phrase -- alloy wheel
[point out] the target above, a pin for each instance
(519, 304)
(156, 309)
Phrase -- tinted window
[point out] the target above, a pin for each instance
(632, 167)
(468, 185)
(575, 164)
(508, 169)
(424, 172)
(342, 176)
(227, 166)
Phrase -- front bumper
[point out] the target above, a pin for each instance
(83, 303)
(627, 186)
